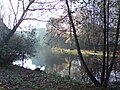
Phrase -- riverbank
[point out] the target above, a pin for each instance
(13, 77)
(74, 51)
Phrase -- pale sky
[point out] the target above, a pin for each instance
(45, 16)
(34, 23)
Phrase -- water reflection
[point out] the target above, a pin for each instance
(71, 66)
(27, 63)
(65, 65)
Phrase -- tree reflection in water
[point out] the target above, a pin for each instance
(59, 63)
(77, 71)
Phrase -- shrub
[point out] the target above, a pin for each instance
(6, 55)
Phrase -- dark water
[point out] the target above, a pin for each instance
(65, 65)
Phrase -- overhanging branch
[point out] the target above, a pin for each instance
(36, 19)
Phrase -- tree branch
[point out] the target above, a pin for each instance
(36, 19)
(18, 24)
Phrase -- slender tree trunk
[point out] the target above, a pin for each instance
(23, 57)
(70, 64)
(114, 51)
(70, 61)
(78, 49)
(107, 62)
(104, 46)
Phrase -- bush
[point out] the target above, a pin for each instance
(18, 48)
(6, 56)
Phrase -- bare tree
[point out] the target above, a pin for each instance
(105, 73)
(78, 48)
(23, 10)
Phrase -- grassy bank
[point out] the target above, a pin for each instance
(17, 78)
(74, 51)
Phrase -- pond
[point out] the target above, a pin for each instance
(65, 65)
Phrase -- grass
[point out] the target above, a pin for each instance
(74, 51)
(17, 78)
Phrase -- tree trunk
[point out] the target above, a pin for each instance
(78, 49)
(107, 62)
(7, 38)
(104, 46)
(114, 51)
(23, 57)
(70, 64)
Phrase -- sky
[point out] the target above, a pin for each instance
(44, 17)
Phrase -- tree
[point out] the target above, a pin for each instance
(98, 19)
(78, 48)
(19, 21)
(58, 33)
(25, 10)
(104, 81)
(20, 12)
(115, 48)
(18, 47)
(85, 26)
